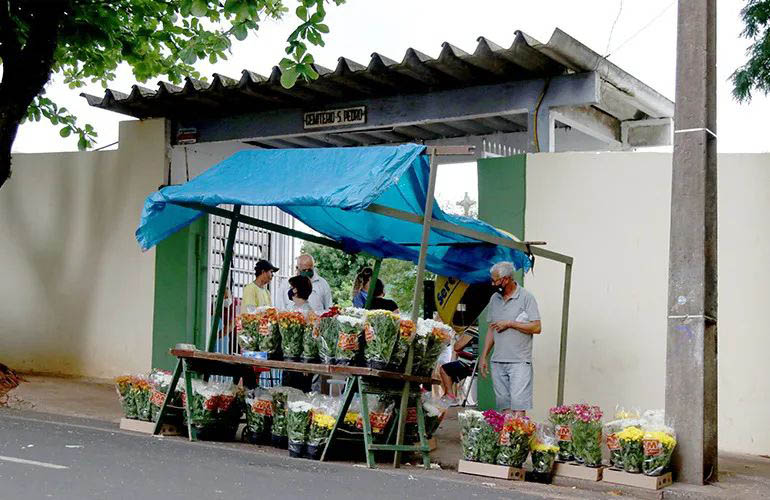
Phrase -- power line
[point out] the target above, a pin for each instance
(650, 23)
(609, 39)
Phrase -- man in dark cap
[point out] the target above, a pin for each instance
(255, 294)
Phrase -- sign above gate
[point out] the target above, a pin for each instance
(331, 117)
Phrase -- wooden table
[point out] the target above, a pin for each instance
(360, 380)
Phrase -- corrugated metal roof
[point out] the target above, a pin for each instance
(525, 59)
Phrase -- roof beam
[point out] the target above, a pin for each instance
(590, 121)
(401, 111)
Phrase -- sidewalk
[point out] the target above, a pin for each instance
(741, 476)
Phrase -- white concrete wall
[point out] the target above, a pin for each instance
(611, 212)
(76, 293)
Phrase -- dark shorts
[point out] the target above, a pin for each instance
(457, 370)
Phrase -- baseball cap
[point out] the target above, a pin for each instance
(264, 265)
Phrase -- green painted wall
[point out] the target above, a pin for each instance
(180, 292)
(502, 203)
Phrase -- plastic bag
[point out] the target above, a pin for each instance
(587, 434)
(328, 328)
(259, 412)
(292, 326)
(298, 416)
(470, 428)
(347, 342)
(380, 412)
(544, 449)
(562, 418)
(280, 399)
(514, 441)
(659, 442)
(404, 340)
(123, 385)
(435, 410)
(141, 391)
(432, 338)
(269, 332)
(160, 381)
(215, 408)
(381, 330)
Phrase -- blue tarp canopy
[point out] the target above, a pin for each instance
(329, 189)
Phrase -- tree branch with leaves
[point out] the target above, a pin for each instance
(86, 40)
(754, 75)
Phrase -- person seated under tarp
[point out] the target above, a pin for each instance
(379, 301)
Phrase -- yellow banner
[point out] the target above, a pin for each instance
(449, 292)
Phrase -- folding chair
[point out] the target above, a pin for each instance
(470, 383)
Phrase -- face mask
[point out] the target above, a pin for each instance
(308, 273)
(500, 289)
(291, 294)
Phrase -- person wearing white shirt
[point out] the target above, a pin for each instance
(321, 298)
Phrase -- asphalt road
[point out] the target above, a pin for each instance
(45, 457)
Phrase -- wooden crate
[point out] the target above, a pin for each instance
(490, 470)
(578, 471)
(638, 480)
(130, 424)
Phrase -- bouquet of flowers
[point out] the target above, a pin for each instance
(432, 338)
(322, 422)
(355, 312)
(631, 448)
(123, 385)
(470, 428)
(658, 442)
(310, 340)
(280, 398)
(380, 412)
(328, 332)
(215, 409)
(347, 342)
(544, 450)
(611, 430)
(435, 410)
(406, 331)
(247, 329)
(160, 381)
(381, 331)
(351, 415)
(141, 392)
(587, 434)
(292, 326)
(514, 441)
(259, 414)
(297, 425)
(269, 332)
(489, 435)
(562, 418)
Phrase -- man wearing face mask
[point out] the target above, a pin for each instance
(513, 320)
(321, 298)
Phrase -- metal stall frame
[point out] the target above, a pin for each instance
(427, 221)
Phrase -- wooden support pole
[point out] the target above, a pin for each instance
(426, 225)
(223, 278)
(563, 339)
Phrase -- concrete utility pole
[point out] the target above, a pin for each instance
(691, 354)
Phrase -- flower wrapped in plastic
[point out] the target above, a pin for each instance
(587, 434)
(435, 410)
(515, 437)
(310, 339)
(247, 329)
(544, 449)
(355, 312)
(631, 448)
(292, 325)
(141, 392)
(349, 423)
(269, 332)
(406, 334)
(432, 338)
(347, 342)
(322, 420)
(487, 443)
(562, 418)
(381, 330)
(299, 413)
(327, 331)
(380, 413)
(215, 409)
(280, 399)
(623, 419)
(123, 385)
(470, 428)
(259, 415)
(160, 381)
(659, 442)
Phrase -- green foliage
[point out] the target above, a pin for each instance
(340, 269)
(755, 73)
(155, 37)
